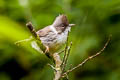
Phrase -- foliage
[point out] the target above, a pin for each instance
(94, 20)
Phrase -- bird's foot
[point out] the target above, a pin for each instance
(47, 49)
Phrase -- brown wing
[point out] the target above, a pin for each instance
(43, 32)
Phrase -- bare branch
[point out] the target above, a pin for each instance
(58, 62)
(69, 49)
(61, 52)
(22, 41)
(32, 30)
(65, 54)
(52, 67)
(36, 36)
(87, 59)
(70, 66)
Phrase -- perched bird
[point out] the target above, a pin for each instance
(54, 36)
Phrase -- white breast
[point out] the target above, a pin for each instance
(63, 36)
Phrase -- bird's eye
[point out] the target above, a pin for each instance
(62, 25)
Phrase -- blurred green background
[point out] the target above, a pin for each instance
(95, 20)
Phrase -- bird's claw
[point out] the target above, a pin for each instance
(47, 49)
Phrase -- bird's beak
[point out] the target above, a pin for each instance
(71, 25)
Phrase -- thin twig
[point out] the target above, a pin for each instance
(61, 52)
(87, 59)
(69, 49)
(68, 73)
(32, 30)
(65, 54)
(70, 66)
(52, 67)
(22, 41)
(67, 77)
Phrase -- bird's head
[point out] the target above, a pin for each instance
(62, 21)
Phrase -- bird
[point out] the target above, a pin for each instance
(54, 35)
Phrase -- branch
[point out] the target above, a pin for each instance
(65, 54)
(66, 57)
(58, 71)
(32, 30)
(22, 41)
(61, 52)
(52, 67)
(87, 59)
(36, 36)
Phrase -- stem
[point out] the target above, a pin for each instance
(58, 63)
(65, 54)
(36, 36)
(87, 59)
